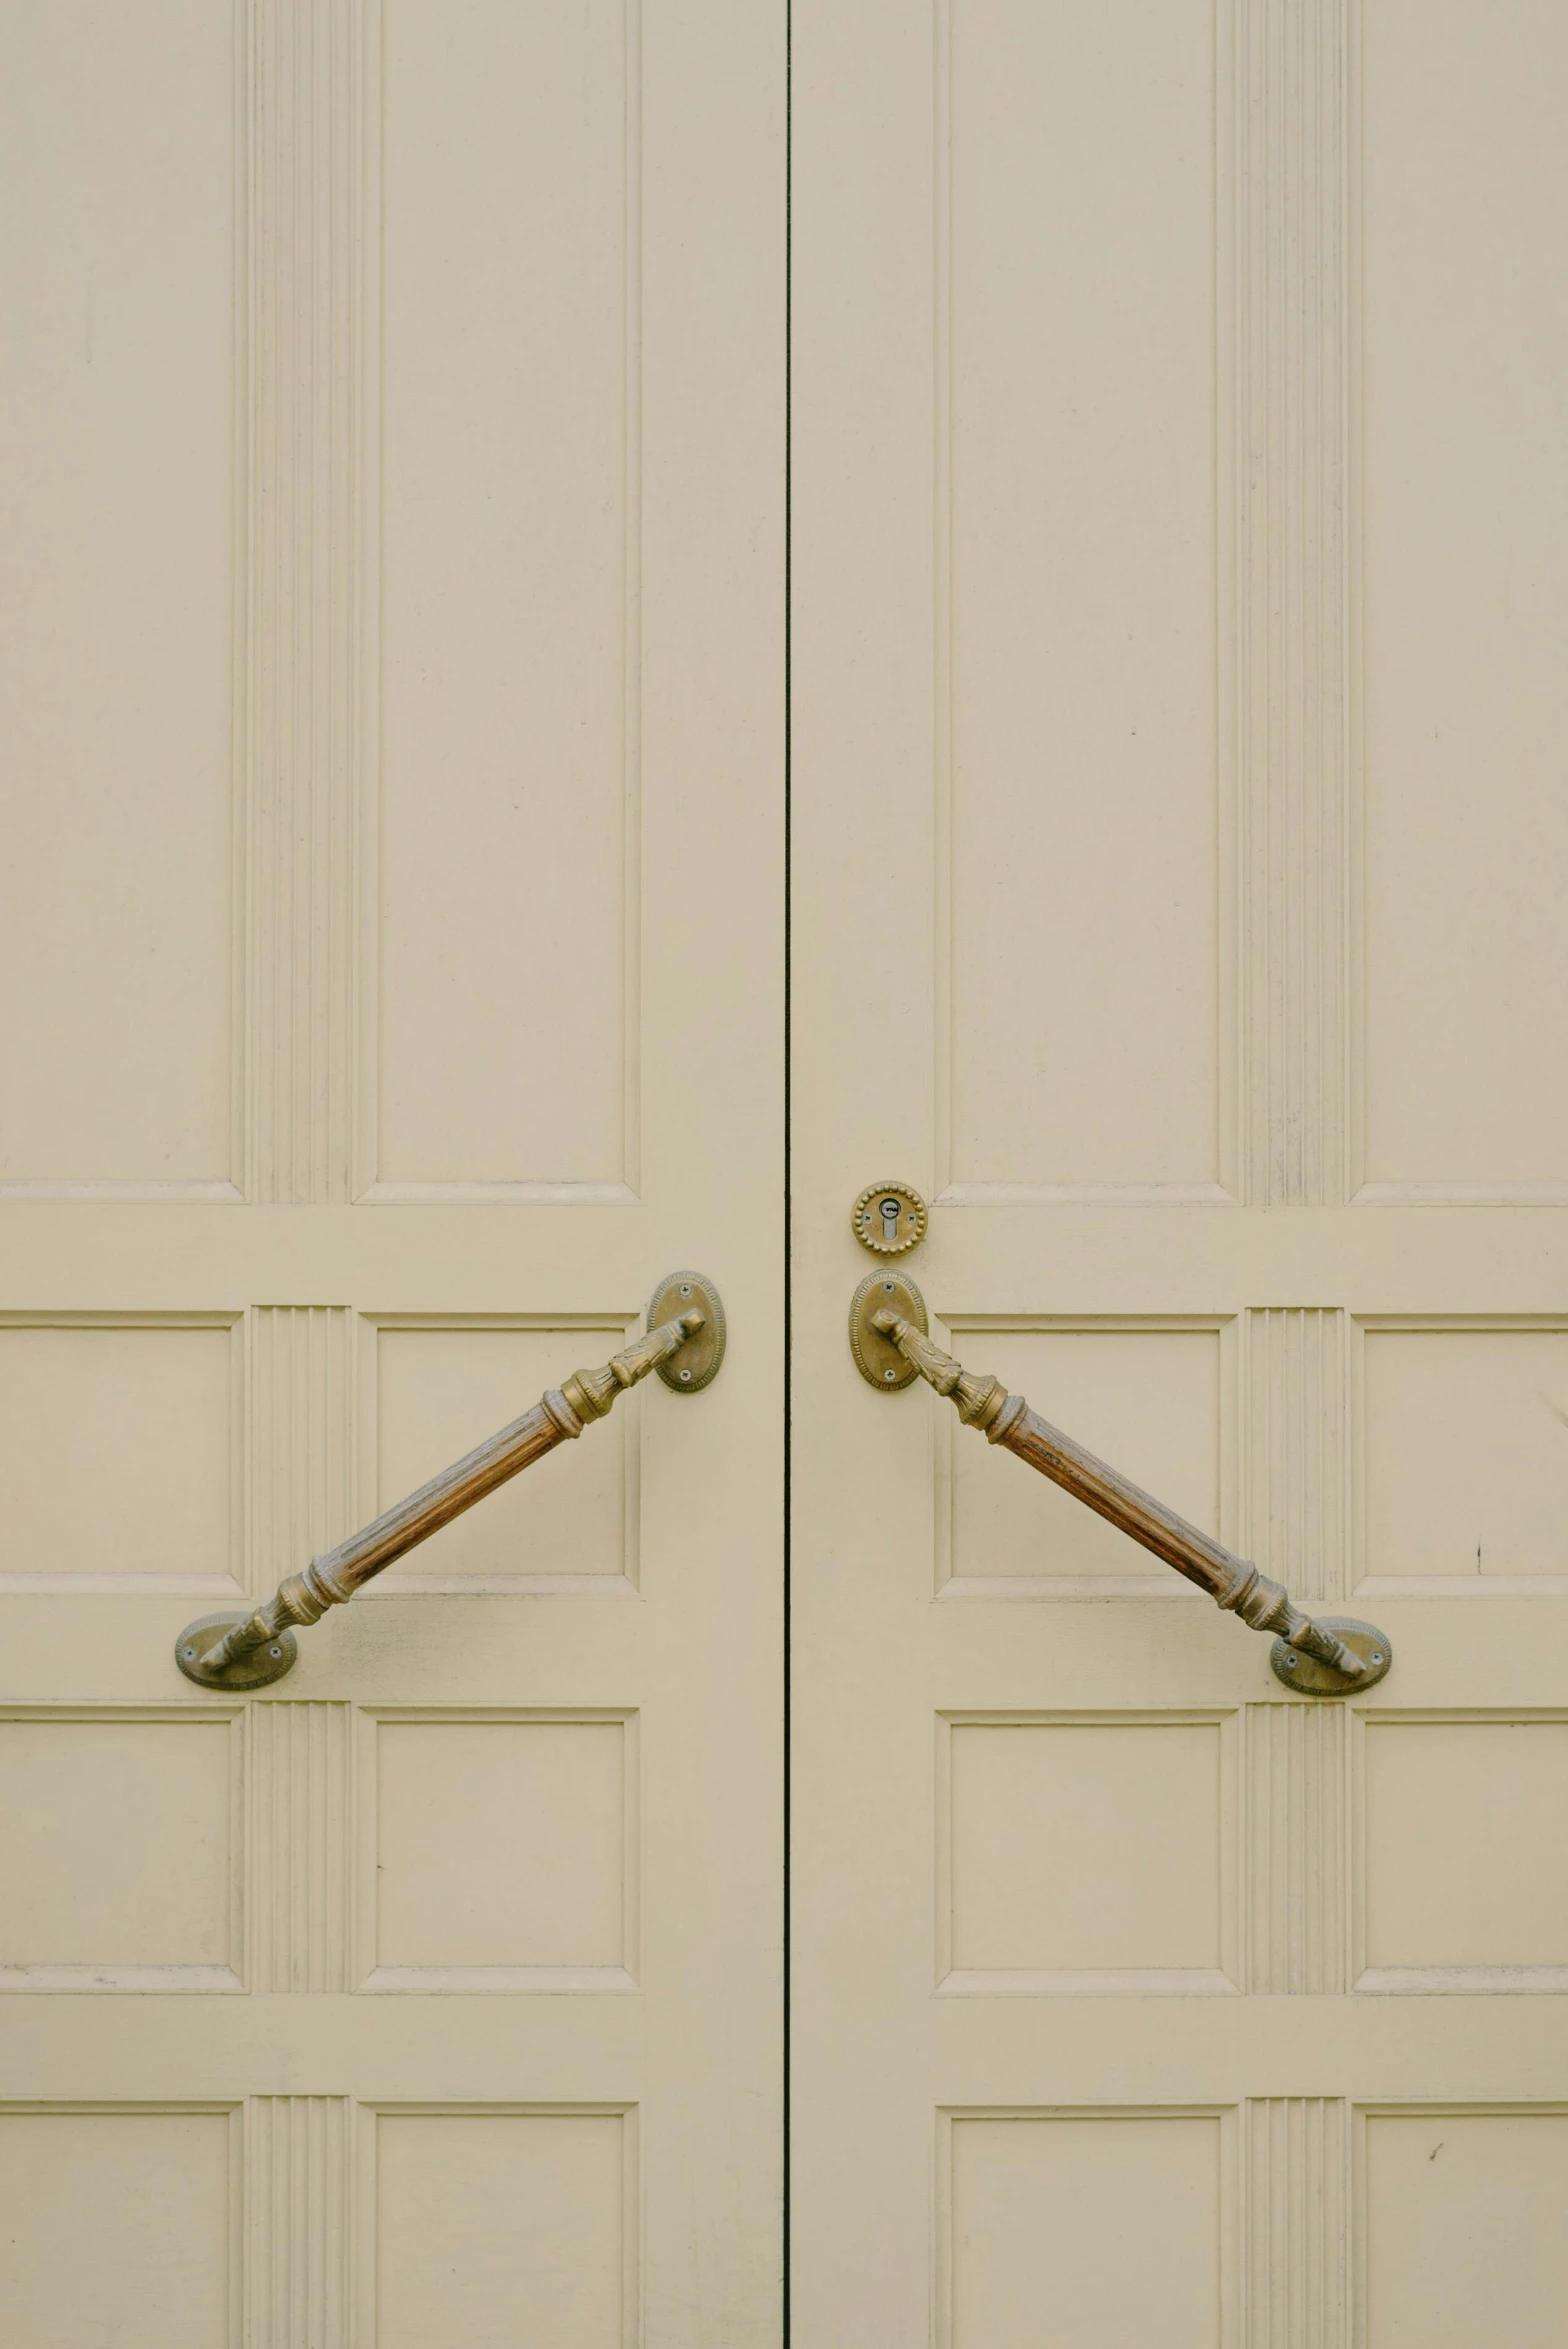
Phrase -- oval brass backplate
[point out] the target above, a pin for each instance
(888, 1218)
(697, 1364)
(257, 1670)
(1310, 1678)
(877, 1359)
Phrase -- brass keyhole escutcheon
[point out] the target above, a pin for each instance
(889, 1218)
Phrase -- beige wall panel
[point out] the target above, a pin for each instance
(1459, 1819)
(117, 1847)
(1146, 1400)
(1464, 2237)
(503, 2227)
(117, 2230)
(1466, 1451)
(502, 1845)
(1080, 322)
(1036, 2232)
(441, 1392)
(1466, 592)
(1084, 1846)
(117, 556)
(117, 1451)
(509, 728)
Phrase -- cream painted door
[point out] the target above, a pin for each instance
(391, 961)
(1180, 593)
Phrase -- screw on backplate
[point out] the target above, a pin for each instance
(888, 1287)
(1290, 1663)
(685, 1374)
(1377, 1655)
(190, 1655)
(685, 1288)
(888, 1374)
(274, 1651)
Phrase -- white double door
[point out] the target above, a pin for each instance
(394, 966)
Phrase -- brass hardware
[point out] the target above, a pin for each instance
(889, 1218)
(238, 1651)
(877, 1358)
(703, 1351)
(1309, 1677)
(1327, 1658)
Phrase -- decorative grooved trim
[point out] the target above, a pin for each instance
(1292, 592)
(302, 1845)
(301, 1436)
(1297, 1849)
(297, 2230)
(1297, 2172)
(1297, 1450)
(305, 653)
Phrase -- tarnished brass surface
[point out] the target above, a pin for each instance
(1310, 1677)
(889, 1218)
(877, 1359)
(239, 1651)
(253, 1670)
(697, 1364)
(1330, 1658)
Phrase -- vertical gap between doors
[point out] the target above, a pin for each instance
(789, 1045)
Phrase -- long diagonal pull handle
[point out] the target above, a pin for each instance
(1319, 1658)
(237, 1651)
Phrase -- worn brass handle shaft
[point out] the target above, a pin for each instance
(248, 1651)
(1232, 1582)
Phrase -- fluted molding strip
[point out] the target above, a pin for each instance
(1292, 672)
(307, 140)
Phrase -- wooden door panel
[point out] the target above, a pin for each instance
(395, 994)
(1188, 955)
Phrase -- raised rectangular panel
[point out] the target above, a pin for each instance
(441, 1391)
(1466, 1443)
(1458, 1820)
(1084, 1855)
(118, 1452)
(1146, 1400)
(119, 286)
(504, 1856)
(1465, 520)
(1033, 2230)
(1462, 2229)
(118, 2229)
(509, 592)
(119, 1852)
(502, 2226)
(1076, 665)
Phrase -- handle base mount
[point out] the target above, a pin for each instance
(1308, 1677)
(697, 1364)
(877, 1359)
(258, 1669)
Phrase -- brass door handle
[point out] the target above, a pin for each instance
(1327, 1658)
(238, 1651)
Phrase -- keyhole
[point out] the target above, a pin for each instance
(888, 1211)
